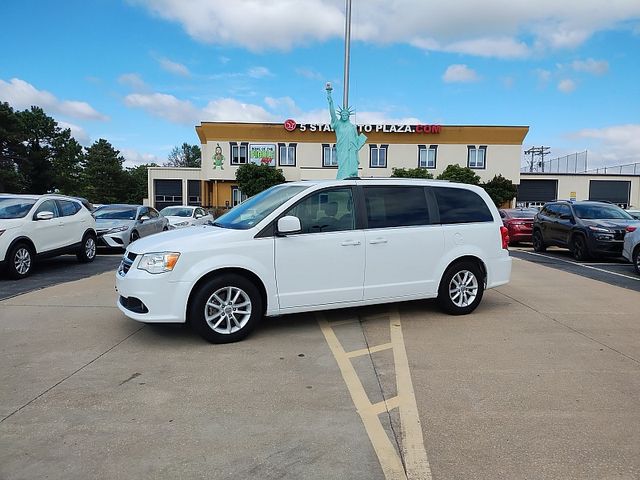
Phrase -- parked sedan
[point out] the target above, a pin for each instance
(119, 225)
(519, 222)
(631, 247)
(181, 216)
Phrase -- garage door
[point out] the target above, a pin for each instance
(616, 191)
(536, 192)
(167, 192)
(193, 187)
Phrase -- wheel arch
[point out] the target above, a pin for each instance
(26, 240)
(467, 258)
(225, 270)
(89, 231)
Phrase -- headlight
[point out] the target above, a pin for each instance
(158, 262)
(181, 224)
(599, 229)
(118, 229)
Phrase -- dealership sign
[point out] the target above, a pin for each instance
(262, 154)
(291, 125)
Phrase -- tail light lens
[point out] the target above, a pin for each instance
(631, 229)
(504, 233)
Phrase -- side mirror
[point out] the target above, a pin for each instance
(289, 224)
(44, 215)
(199, 215)
(566, 216)
(144, 218)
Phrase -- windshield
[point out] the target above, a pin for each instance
(115, 213)
(176, 212)
(593, 212)
(253, 210)
(527, 213)
(12, 207)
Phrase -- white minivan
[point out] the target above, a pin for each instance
(317, 245)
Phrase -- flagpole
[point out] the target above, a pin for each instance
(347, 48)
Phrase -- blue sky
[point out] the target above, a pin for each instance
(143, 73)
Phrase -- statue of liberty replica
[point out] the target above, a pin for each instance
(348, 141)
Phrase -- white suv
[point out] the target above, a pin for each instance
(306, 246)
(43, 226)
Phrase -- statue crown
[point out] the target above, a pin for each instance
(349, 110)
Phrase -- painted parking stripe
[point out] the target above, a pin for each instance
(581, 265)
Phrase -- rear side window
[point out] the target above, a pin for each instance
(68, 208)
(396, 206)
(458, 205)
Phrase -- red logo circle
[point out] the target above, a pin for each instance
(290, 125)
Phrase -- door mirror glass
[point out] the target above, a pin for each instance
(144, 218)
(289, 224)
(44, 215)
(199, 215)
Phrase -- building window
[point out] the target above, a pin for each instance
(378, 156)
(237, 196)
(329, 157)
(476, 156)
(287, 154)
(239, 153)
(427, 156)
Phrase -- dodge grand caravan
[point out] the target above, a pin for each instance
(317, 245)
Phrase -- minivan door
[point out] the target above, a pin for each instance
(403, 248)
(324, 263)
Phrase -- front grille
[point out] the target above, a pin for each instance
(618, 234)
(126, 263)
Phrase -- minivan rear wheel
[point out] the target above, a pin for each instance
(461, 288)
(225, 308)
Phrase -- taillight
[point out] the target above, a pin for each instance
(504, 233)
(631, 229)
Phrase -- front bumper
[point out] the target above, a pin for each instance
(114, 240)
(605, 247)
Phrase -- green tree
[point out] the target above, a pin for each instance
(253, 179)
(66, 164)
(411, 173)
(500, 189)
(456, 173)
(137, 181)
(12, 150)
(184, 156)
(103, 177)
(35, 166)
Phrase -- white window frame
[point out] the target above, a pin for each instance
(472, 157)
(287, 154)
(333, 157)
(236, 153)
(430, 153)
(376, 152)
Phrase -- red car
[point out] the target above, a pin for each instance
(519, 222)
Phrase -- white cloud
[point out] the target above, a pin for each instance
(491, 28)
(613, 145)
(460, 74)
(259, 72)
(133, 80)
(134, 158)
(173, 67)
(165, 106)
(595, 67)
(566, 85)
(231, 110)
(21, 95)
(77, 132)
(285, 103)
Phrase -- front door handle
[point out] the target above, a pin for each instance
(350, 243)
(377, 241)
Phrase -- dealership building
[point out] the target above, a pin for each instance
(307, 152)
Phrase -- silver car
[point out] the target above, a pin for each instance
(181, 216)
(631, 248)
(119, 225)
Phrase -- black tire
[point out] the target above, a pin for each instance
(636, 259)
(579, 248)
(87, 251)
(235, 317)
(20, 261)
(538, 242)
(454, 288)
(134, 236)
(165, 228)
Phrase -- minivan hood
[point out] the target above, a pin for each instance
(183, 239)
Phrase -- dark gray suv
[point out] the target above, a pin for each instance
(587, 228)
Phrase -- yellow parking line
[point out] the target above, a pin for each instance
(414, 453)
(390, 462)
(367, 351)
(385, 406)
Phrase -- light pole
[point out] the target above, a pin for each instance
(347, 48)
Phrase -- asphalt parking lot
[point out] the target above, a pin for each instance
(542, 381)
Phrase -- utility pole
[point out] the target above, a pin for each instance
(537, 151)
(347, 49)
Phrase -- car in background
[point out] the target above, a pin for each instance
(519, 222)
(587, 228)
(119, 225)
(38, 226)
(181, 216)
(631, 247)
(634, 213)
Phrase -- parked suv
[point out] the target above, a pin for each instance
(319, 245)
(587, 228)
(33, 226)
(631, 248)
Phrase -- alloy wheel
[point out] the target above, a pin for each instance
(22, 260)
(463, 288)
(228, 310)
(90, 248)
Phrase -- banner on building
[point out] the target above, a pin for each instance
(262, 154)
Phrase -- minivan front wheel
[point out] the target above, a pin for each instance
(461, 288)
(226, 308)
